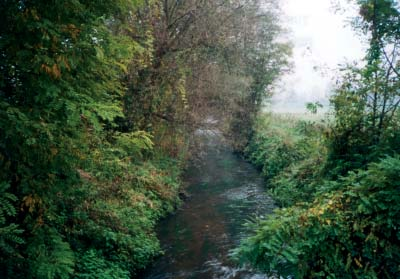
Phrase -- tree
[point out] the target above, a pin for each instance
(211, 59)
(367, 99)
(60, 73)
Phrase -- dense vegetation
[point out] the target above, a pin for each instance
(289, 150)
(97, 102)
(337, 182)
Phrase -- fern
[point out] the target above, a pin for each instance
(49, 256)
(135, 143)
(92, 264)
(6, 200)
(9, 234)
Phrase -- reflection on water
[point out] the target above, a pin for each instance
(225, 192)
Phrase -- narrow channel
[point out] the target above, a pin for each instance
(225, 191)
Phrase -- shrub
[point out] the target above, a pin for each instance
(291, 154)
(350, 232)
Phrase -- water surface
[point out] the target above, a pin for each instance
(225, 191)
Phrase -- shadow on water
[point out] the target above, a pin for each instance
(225, 191)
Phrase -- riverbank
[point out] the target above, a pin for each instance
(289, 151)
(114, 228)
(328, 226)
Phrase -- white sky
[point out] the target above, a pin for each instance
(322, 39)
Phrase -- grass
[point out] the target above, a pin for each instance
(286, 147)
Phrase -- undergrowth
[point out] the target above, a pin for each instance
(289, 151)
(324, 228)
(103, 226)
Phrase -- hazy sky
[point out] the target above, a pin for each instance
(322, 39)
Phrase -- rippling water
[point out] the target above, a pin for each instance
(225, 191)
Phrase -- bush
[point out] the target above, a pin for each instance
(123, 200)
(298, 183)
(349, 232)
(92, 264)
(291, 154)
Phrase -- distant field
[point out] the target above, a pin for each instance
(290, 118)
(287, 125)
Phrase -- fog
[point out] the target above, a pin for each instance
(322, 39)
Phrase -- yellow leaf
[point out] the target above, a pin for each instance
(123, 67)
(358, 263)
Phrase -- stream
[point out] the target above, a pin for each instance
(225, 191)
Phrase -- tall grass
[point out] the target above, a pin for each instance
(289, 150)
